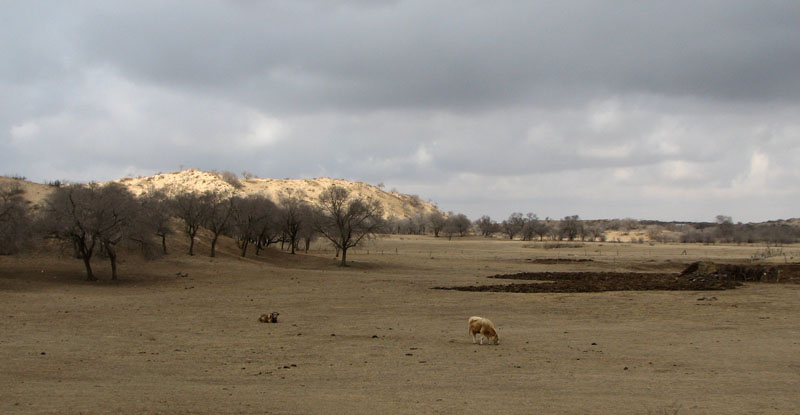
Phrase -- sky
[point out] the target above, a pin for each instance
(669, 110)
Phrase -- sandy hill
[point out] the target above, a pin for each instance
(34, 193)
(395, 204)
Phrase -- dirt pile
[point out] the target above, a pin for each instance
(698, 276)
(573, 282)
(709, 271)
(559, 260)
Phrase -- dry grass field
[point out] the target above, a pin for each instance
(376, 338)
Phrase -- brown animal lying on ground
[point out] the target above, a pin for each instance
(485, 328)
(269, 318)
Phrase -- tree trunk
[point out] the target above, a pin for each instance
(344, 257)
(112, 256)
(191, 244)
(164, 243)
(245, 242)
(213, 245)
(89, 275)
(85, 253)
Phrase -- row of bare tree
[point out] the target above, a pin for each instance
(97, 219)
(529, 227)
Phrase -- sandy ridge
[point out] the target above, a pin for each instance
(396, 205)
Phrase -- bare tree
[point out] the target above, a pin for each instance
(725, 228)
(295, 216)
(596, 231)
(529, 226)
(119, 222)
(251, 215)
(91, 217)
(583, 231)
(345, 220)
(190, 208)
(157, 215)
(513, 225)
(406, 226)
(457, 223)
(437, 220)
(219, 209)
(570, 227)
(486, 225)
(421, 220)
(541, 229)
(15, 222)
(463, 224)
(307, 233)
(270, 231)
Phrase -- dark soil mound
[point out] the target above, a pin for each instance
(698, 276)
(559, 260)
(573, 282)
(748, 272)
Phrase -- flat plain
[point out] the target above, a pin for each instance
(376, 337)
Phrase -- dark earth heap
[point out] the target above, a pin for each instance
(698, 276)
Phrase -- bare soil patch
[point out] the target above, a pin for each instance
(698, 276)
(709, 271)
(559, 260)
(577, 282)
(180, 335)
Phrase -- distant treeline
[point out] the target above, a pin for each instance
(531, 227)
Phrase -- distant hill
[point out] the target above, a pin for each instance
(396, 205)
(34, 192)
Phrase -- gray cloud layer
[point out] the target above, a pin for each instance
(672, 110)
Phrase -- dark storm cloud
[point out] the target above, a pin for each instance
(620, 108)
(300, 55)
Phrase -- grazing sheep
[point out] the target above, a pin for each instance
(485, 328)
(269, 318)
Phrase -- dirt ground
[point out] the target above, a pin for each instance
(377, 338)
